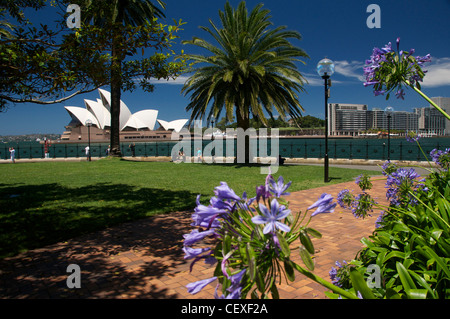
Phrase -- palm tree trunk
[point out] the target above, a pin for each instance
(116, 84)
(243, 121)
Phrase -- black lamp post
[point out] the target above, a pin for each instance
(388, 111)
(88, 123)
(325, 68)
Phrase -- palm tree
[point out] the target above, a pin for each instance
(251, 71)
(119, 13)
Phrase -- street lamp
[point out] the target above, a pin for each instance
(88, 123)
(325, 68)
(388, 111)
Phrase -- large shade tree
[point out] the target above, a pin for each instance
(115, 15)
(250, 70)
(119, 43)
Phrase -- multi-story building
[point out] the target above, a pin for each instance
(400, 120)
(431, 121)
(347, 119)
(352, 119)
(444, 103)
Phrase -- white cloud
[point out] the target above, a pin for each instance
(348, 69)
(438, 73)
(178, 81)
(313, 79)
(352, 69)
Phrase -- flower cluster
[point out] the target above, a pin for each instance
(441, 158)
(340, 276)
(388, 70)
(345, 198)
(388, 167)
(361, 204)
(412, 137)
(363, 181)
(380, 219)
(402, 184)
(247, 233)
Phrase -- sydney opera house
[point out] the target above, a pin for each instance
(133, 127)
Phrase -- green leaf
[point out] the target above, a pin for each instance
(313, 232)
(226, 243)
(359, 284)
(438, 260)
(251, 256)
(274, 291)
(306, 257)
(405, 278)
(392, 294)
(417, 293)
(289, 270)
(259, 281)
(422, 282)
(283, 244)
(306, 241)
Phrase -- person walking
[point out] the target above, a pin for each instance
(47, 148)
(88, 152)
(12, 152)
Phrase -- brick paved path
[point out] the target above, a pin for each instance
(143, 259)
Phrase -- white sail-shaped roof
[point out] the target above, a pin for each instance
(148, 117)
(82, 115)
(176, 125)
(124, 110)
(100, 112)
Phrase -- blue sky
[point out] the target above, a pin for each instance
(333, 29)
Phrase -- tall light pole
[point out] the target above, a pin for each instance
(388, 111)
(88, 123)
(325, 68)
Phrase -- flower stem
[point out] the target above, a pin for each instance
(325, 283)
(429, 100)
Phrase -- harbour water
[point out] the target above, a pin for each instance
(338, 148)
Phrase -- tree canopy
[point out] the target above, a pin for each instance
(46, 64)
(250, 70)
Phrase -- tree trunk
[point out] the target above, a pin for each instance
(243, 121)
(116, 85)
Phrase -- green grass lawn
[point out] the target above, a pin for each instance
(44, 203)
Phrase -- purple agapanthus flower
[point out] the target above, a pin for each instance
(389, 71)
(324, 205)
(206, 216)
(335, 273)
(400, 94)
(278, 188)
(195, 236)
(236, 280)
(378, 222)
(225, 192)
(441, 158)
(190, 253)
(388, 168)
(400, 183)
(362, 205)
(271, 217)
(196, 287)
(345, 198)
(412, 137)
(262, 193)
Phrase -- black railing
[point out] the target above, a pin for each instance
(366, 149)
